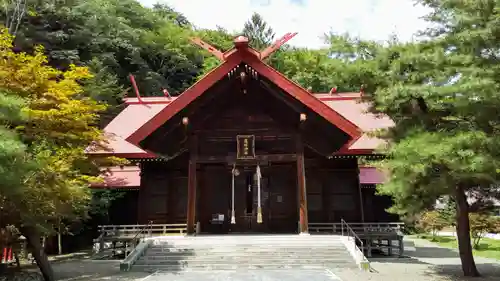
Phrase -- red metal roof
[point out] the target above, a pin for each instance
(351, 107)
(120, 177)
(348, 105)
(126, 123)
(370, 175)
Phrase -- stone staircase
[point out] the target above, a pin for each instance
(232, 252)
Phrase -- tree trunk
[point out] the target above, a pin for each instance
(463, 233)
(41, 258)
(59, 243)
(59, 238)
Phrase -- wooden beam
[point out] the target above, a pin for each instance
(191, 200)
(258, 158)
(211, 49)
(301, 185)
(216, 91)
(277, 44)
(266, 86)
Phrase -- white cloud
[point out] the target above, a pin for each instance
(369, 19)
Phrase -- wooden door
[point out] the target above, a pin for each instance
(215, 198)
(283, 200)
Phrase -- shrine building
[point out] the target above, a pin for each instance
(246, 150)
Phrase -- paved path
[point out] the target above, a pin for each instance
(425, 262)
(495, 236)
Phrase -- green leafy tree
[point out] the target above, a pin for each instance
(443, 96)
(123, 36)
(448, 212)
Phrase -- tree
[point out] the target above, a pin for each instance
(448, 211)
(14, 12)
(221, 39)
(52, 173)
(123, 36)
(480, 224)
(443, 96)
(431, 221)
(260, 34)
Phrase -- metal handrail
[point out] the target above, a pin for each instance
(136, 237)
(356, 237)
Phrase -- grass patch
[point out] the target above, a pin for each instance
(488, 248)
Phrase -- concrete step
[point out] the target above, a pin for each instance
(245, 252)
(237, 254)
(222, 267)
(208, 258)
(248, 245)
(202, 263)
(225, 250)
(251, 240)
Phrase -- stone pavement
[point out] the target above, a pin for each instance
(425, 262)
(495, 236)
(256, 275)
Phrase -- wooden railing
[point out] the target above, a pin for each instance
(364, 227)
(150, 229)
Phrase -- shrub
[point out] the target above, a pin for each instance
(480, 224)
(432, 222)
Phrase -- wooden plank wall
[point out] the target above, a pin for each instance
(163, 194)
(333, 195)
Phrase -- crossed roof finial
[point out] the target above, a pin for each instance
(242, 42)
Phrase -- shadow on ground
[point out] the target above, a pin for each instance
(396, 260)
(454, 272)
(433, 252)
(435, 263)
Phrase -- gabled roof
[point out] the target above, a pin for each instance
(349, 105)
(127, 122)
(120, 177)
(242, 53)
(143, 116)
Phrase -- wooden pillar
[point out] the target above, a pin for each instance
(191, 198)
(361, 204)
(141, 204)
(301, 184)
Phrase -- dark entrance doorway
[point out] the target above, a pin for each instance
(278, 193)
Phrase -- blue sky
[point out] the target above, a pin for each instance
(368, 19)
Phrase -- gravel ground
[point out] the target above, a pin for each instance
(425, 262)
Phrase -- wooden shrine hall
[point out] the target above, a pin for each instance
(245, 149)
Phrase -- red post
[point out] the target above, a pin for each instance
(4, 255)
(136, 89)
(9, 256)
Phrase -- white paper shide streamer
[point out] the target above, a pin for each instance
(259, 208)
(233, 218)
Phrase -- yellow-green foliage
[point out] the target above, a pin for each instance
(60, 123)
(432, 222)
(480, 224)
